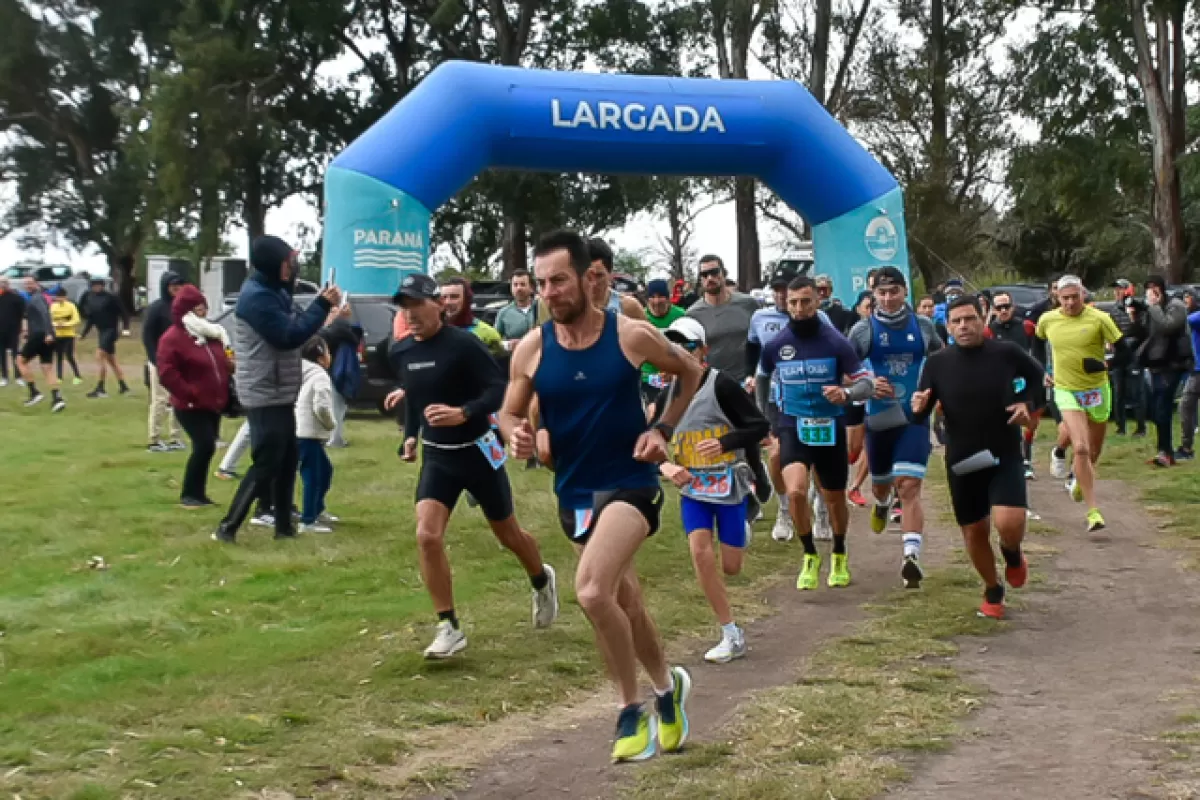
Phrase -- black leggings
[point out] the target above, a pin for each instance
(272, 475)
(64, 349)
(202, 427)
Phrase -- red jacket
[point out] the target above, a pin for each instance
(197, 376)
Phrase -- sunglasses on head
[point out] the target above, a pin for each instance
(1003, 306)
(711, 273)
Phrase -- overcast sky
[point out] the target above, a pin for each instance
(715, 231)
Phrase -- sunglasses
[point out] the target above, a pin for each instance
(1003, 306)
(690, 346)
(711, 273)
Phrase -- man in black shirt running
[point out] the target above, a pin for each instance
(451, 385)
(104, 312)
(987, 390)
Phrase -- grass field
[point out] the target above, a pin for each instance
(189, 670)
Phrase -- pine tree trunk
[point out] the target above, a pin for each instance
(515, 244)
(746, 213)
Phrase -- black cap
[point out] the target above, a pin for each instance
(417, 286)
(782, 276)
(891, 276)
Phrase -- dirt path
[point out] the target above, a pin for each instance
(1090, 671)
(573, 759)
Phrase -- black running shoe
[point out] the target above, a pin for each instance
(911, 573)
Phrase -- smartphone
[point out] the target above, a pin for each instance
(332, 277)
(345, 299)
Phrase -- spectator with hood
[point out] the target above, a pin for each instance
(1166, 354)
(1128, 383)
(155, 322)
(457, 299)
(12, 311)
(194, 370)
(269, 333)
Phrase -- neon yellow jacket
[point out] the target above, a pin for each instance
(65, 318)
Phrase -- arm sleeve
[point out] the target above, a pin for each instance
(1029, 369)
(749, 426)
(753, 355)
(852, 367)
(282, 329)
(928, 382)
(860, 338)
(491, 380)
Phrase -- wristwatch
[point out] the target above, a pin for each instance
(466, 412)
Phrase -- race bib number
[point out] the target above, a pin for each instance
(1090, 399)
(489, 445)
(583, 521)
(713, 483)
(817, 432)
(656, 381)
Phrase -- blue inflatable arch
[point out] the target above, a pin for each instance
(466, 117)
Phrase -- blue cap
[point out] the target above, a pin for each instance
(658, 287)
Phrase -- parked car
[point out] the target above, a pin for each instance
(48, 275)
(489, 298)
(305, 289)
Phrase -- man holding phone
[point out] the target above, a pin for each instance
(269, 335)
(989, 391)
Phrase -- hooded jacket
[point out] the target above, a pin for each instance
(103, 311)
(1168, 344)
(269, 333)
(12, 311)
(195, 375)
(37, 317)
(158, 316)
(314, 406)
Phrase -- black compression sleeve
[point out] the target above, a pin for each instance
(753, 355)
(749, 425)
(491, 395)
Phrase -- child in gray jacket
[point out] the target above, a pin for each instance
(314, 422)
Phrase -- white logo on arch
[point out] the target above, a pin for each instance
(881, 239)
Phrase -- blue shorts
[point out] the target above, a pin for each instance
(728, 521)
(901, 452)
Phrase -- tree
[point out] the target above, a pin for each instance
(71, 76)
(936, 114)
(734, 24)
(1134, 55)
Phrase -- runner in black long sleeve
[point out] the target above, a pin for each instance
(988, 391)
(451, 385)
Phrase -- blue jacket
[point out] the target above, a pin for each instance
(269, 332)
(1194, 325)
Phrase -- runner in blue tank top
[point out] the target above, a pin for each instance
(895, 342)
(585, 368)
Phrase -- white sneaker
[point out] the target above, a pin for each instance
(33, 401)
(545, 601)
(449, 640)
(727, 649)
(783, 530)
(263, 520)
(328, 519)
(316, 527)
(20, 381)
(59, 405)
(822, 528)
(1058, 466)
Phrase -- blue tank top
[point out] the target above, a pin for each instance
(591, 405)
(614, 302)
(897, 355)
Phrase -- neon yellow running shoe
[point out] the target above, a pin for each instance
(636, 735)
(1095, 521)
(673, 726)
(839, 571)
(879, 516)
(810, 575)
(1076, 490)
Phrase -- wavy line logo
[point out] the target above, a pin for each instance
(375, 258)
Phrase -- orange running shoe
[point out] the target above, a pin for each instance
(856, 498)
(1016, 576)
(991, 610)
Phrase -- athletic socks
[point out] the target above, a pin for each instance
(731, 631)
(539, 581)
(670, 685)
(1012, 558)
(450, 616)
(912, 545)
(994, 594)
(810, 546)
(839, 544)
(33, 392)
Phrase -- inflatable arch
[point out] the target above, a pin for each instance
(466, 117)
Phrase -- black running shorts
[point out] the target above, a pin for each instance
(446, 474)
(855, 415)
(38, 350)
(973, 496)
(578, 524)
(830, 463)
(107, 340)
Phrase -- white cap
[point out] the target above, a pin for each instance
(685, 330)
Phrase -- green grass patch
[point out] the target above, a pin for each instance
(190, 670)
